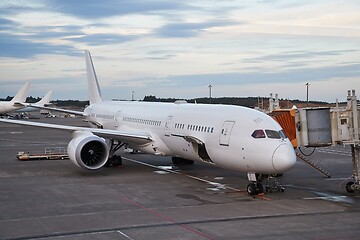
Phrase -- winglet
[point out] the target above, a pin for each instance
(22, 94)
(45, 100)
(93, 84)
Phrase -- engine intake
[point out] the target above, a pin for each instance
(88, 151)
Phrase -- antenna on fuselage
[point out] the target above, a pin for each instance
(93, 84)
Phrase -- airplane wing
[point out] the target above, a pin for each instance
(130, 137)
(79, 113)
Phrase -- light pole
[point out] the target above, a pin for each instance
(210, 86)
(307, 94)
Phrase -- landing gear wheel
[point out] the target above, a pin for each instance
(117, 161)
(251, 189)
(175, 160)
(114, 161)
(181, 161)
(259, 188)
(349, 188)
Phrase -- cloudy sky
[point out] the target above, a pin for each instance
(178, 48)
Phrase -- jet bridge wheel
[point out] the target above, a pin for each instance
(350, 187)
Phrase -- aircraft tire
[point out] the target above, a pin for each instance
(181, 161)
(349, 188)
(189, 162)
(114, 161)
(259, 188)
(251, 189)
(117, 161)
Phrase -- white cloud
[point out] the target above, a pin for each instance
(145, 48)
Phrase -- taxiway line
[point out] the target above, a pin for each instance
(216, 184)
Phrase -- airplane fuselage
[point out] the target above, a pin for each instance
(232, 137)
(8, 107)
(221, 135)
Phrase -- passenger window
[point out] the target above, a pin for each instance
(258, 134)
(272, 134)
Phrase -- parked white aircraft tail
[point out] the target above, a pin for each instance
(93, 84)
(233, 137)
(16, 102)
(21, 96)
(30, 107)
(45, 100)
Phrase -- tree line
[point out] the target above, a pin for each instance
(239, 101)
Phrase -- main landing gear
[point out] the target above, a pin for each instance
(114, 160)
(181, 161)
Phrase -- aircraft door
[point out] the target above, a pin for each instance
(167, 126)
(117, 119)
(225, 133)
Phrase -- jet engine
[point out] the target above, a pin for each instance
(88, 151)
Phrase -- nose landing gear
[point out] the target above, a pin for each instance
(255, 186)
(272, 183)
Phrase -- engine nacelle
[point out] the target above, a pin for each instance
(88, 151)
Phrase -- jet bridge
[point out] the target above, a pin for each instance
(321, 127)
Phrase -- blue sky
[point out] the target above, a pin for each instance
(177, 48)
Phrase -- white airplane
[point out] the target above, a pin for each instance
(232, 137)
(18, 102)
(40, 104)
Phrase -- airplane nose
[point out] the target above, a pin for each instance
(283, 158)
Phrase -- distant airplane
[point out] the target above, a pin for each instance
(40, 104)
(232, 137)
(18, 102)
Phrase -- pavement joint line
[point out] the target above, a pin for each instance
(138, 226)
(164, 217)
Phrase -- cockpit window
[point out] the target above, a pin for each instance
(258, 134)
(282, 134)
(273, 134)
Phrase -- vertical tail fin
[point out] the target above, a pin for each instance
(45, 100)
(22, 94)
(93, 84)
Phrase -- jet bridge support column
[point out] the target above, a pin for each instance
(354, 185)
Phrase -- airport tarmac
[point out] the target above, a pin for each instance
(149, 198)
